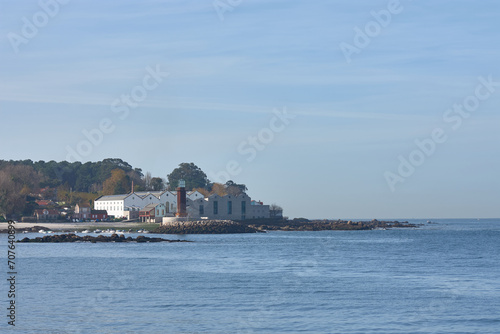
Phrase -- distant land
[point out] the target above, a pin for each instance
(27, 186)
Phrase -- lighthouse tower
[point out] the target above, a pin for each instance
(181, 199)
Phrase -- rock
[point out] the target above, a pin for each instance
(101, 238)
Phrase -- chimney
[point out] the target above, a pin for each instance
(181, 199)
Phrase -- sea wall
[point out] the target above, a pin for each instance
(204, 227)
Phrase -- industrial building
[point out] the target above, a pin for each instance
(192, 205)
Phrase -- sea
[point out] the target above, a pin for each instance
(442, 277)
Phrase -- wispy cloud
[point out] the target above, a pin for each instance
(227, 76)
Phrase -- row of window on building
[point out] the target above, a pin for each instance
(229, 208)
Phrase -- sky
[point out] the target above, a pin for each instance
(331, 109)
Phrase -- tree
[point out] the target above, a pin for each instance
(80, 177)
(157, 184)
(81, 197)
(234, 188)
(117, 183)
(11, 201)
(147, 181)
(17, 181)
(275, 211)
(64, 193)
(189, 172)
(138, 179)
(219, 189)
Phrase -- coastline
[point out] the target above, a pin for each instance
(323, 225)
(73, 226)
(218, 226)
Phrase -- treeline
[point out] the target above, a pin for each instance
(77, 176)
(22, 182)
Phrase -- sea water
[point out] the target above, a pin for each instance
(438, 278)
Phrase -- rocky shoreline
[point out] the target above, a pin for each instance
(206, 227)
(57, 238)
(264, 225)
(258, 225)
(302, 224)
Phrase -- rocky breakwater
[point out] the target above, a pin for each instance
(205, 227)
(57, 238)
(302, 224)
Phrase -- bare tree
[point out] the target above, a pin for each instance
(275, 211)
(147, 181)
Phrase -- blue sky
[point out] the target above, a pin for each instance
(350, 121)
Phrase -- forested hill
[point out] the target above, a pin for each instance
(24, 182)
(80, 177)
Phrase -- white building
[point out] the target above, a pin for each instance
(239, 207)
(120, 205)
(152, 213)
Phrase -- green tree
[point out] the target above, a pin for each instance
(117, 183)
(11, 201)
(80, 177)
(189, 172)
(157, 184)
(17, 181)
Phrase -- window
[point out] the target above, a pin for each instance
(243, 207)
(202, 210)
(229, 207)
(216, 207)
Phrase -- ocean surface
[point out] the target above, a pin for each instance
(439, 278)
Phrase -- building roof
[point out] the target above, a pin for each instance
(113, 197)
(141, 193)
(151, 206)
(195, 194)
(144, 194)
(148, 209)
(168, 192)
(239, 196)
(149, 193)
